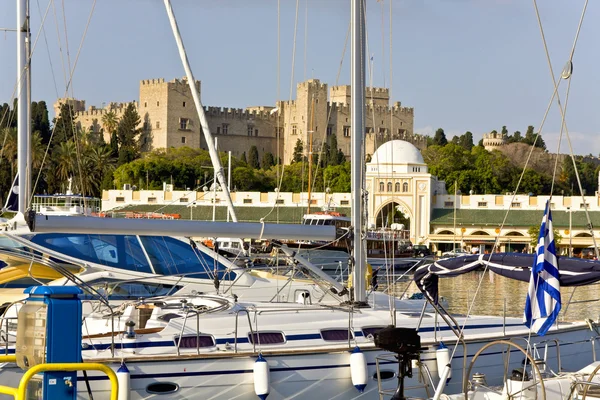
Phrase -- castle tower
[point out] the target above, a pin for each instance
(77, 105)
(168, 114)
(493, 140)
(309, 109)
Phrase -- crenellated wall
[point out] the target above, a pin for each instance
(169, 119)
(493, 140)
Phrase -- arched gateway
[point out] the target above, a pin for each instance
(400, 189)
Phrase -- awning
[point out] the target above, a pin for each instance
(573, 271)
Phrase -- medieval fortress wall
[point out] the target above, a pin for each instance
(169, 119)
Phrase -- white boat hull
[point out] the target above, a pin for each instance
(322, 375)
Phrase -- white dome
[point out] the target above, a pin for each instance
(397, 152)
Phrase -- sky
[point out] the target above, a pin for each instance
(464, 65)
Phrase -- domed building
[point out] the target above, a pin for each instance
(400, 189)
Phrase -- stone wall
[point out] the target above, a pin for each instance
(169, 119)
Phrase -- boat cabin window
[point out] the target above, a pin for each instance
(114, 289)
(118, 251)
(266, 338)
(371, 331)
(194, 342)
(336, 335)
(170, 256)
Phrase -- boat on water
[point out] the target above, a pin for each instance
(390, 249)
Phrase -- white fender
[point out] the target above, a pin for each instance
(358, 369)
(123, 377)
(261, 378)
(442, 355)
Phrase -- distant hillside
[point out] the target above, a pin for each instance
(540, 161)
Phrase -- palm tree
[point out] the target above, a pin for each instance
(100, 162)
(38, 149)
(65, 157)
(110, 122)
(9, 150)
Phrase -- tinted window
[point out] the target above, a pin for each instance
(119, 251)
(170, 256)
(336, 335)
(116, 290)
(266, 337)
(24, 283)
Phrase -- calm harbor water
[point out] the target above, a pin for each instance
(496, 293)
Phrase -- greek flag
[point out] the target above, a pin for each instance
(543, 298)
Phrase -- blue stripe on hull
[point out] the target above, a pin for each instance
(290, 338)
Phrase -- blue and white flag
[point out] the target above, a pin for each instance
(543, 298)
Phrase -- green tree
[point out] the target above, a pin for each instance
(39, 121)
(110, 123)
(515, 137)
(186, 166)
(504, 130)
(533, 139)
(114, 145)
(243, 158)
(100, 164)
(298, 151)
(337, 177)
(65, 157)
(253, 158)
(533, 182)
(268, 160)
(64, 125)
(466, 141)
(440, 138)
(534, 233)
(127, 134)
(334, 152)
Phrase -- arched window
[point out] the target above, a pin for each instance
(405, 187)
(389, 187)
(381, 186)
(397, 187)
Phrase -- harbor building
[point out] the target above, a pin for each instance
(169, 119)
(400, 191)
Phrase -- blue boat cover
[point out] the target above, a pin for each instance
(573, 271)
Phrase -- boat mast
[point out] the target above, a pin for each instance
(357, 62)
(214, 155)
(23, 104)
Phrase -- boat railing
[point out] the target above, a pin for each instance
(5, 332)
(235, 339)
(189, 311)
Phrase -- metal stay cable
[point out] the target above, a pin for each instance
(563, 114)
(337, 79)
(68, 84)
(555, 93)
(14, 93)
(280, 162)
(563, 126)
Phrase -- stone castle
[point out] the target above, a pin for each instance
(493, 140)
(169, 119)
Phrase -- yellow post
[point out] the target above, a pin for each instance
(20, 392)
